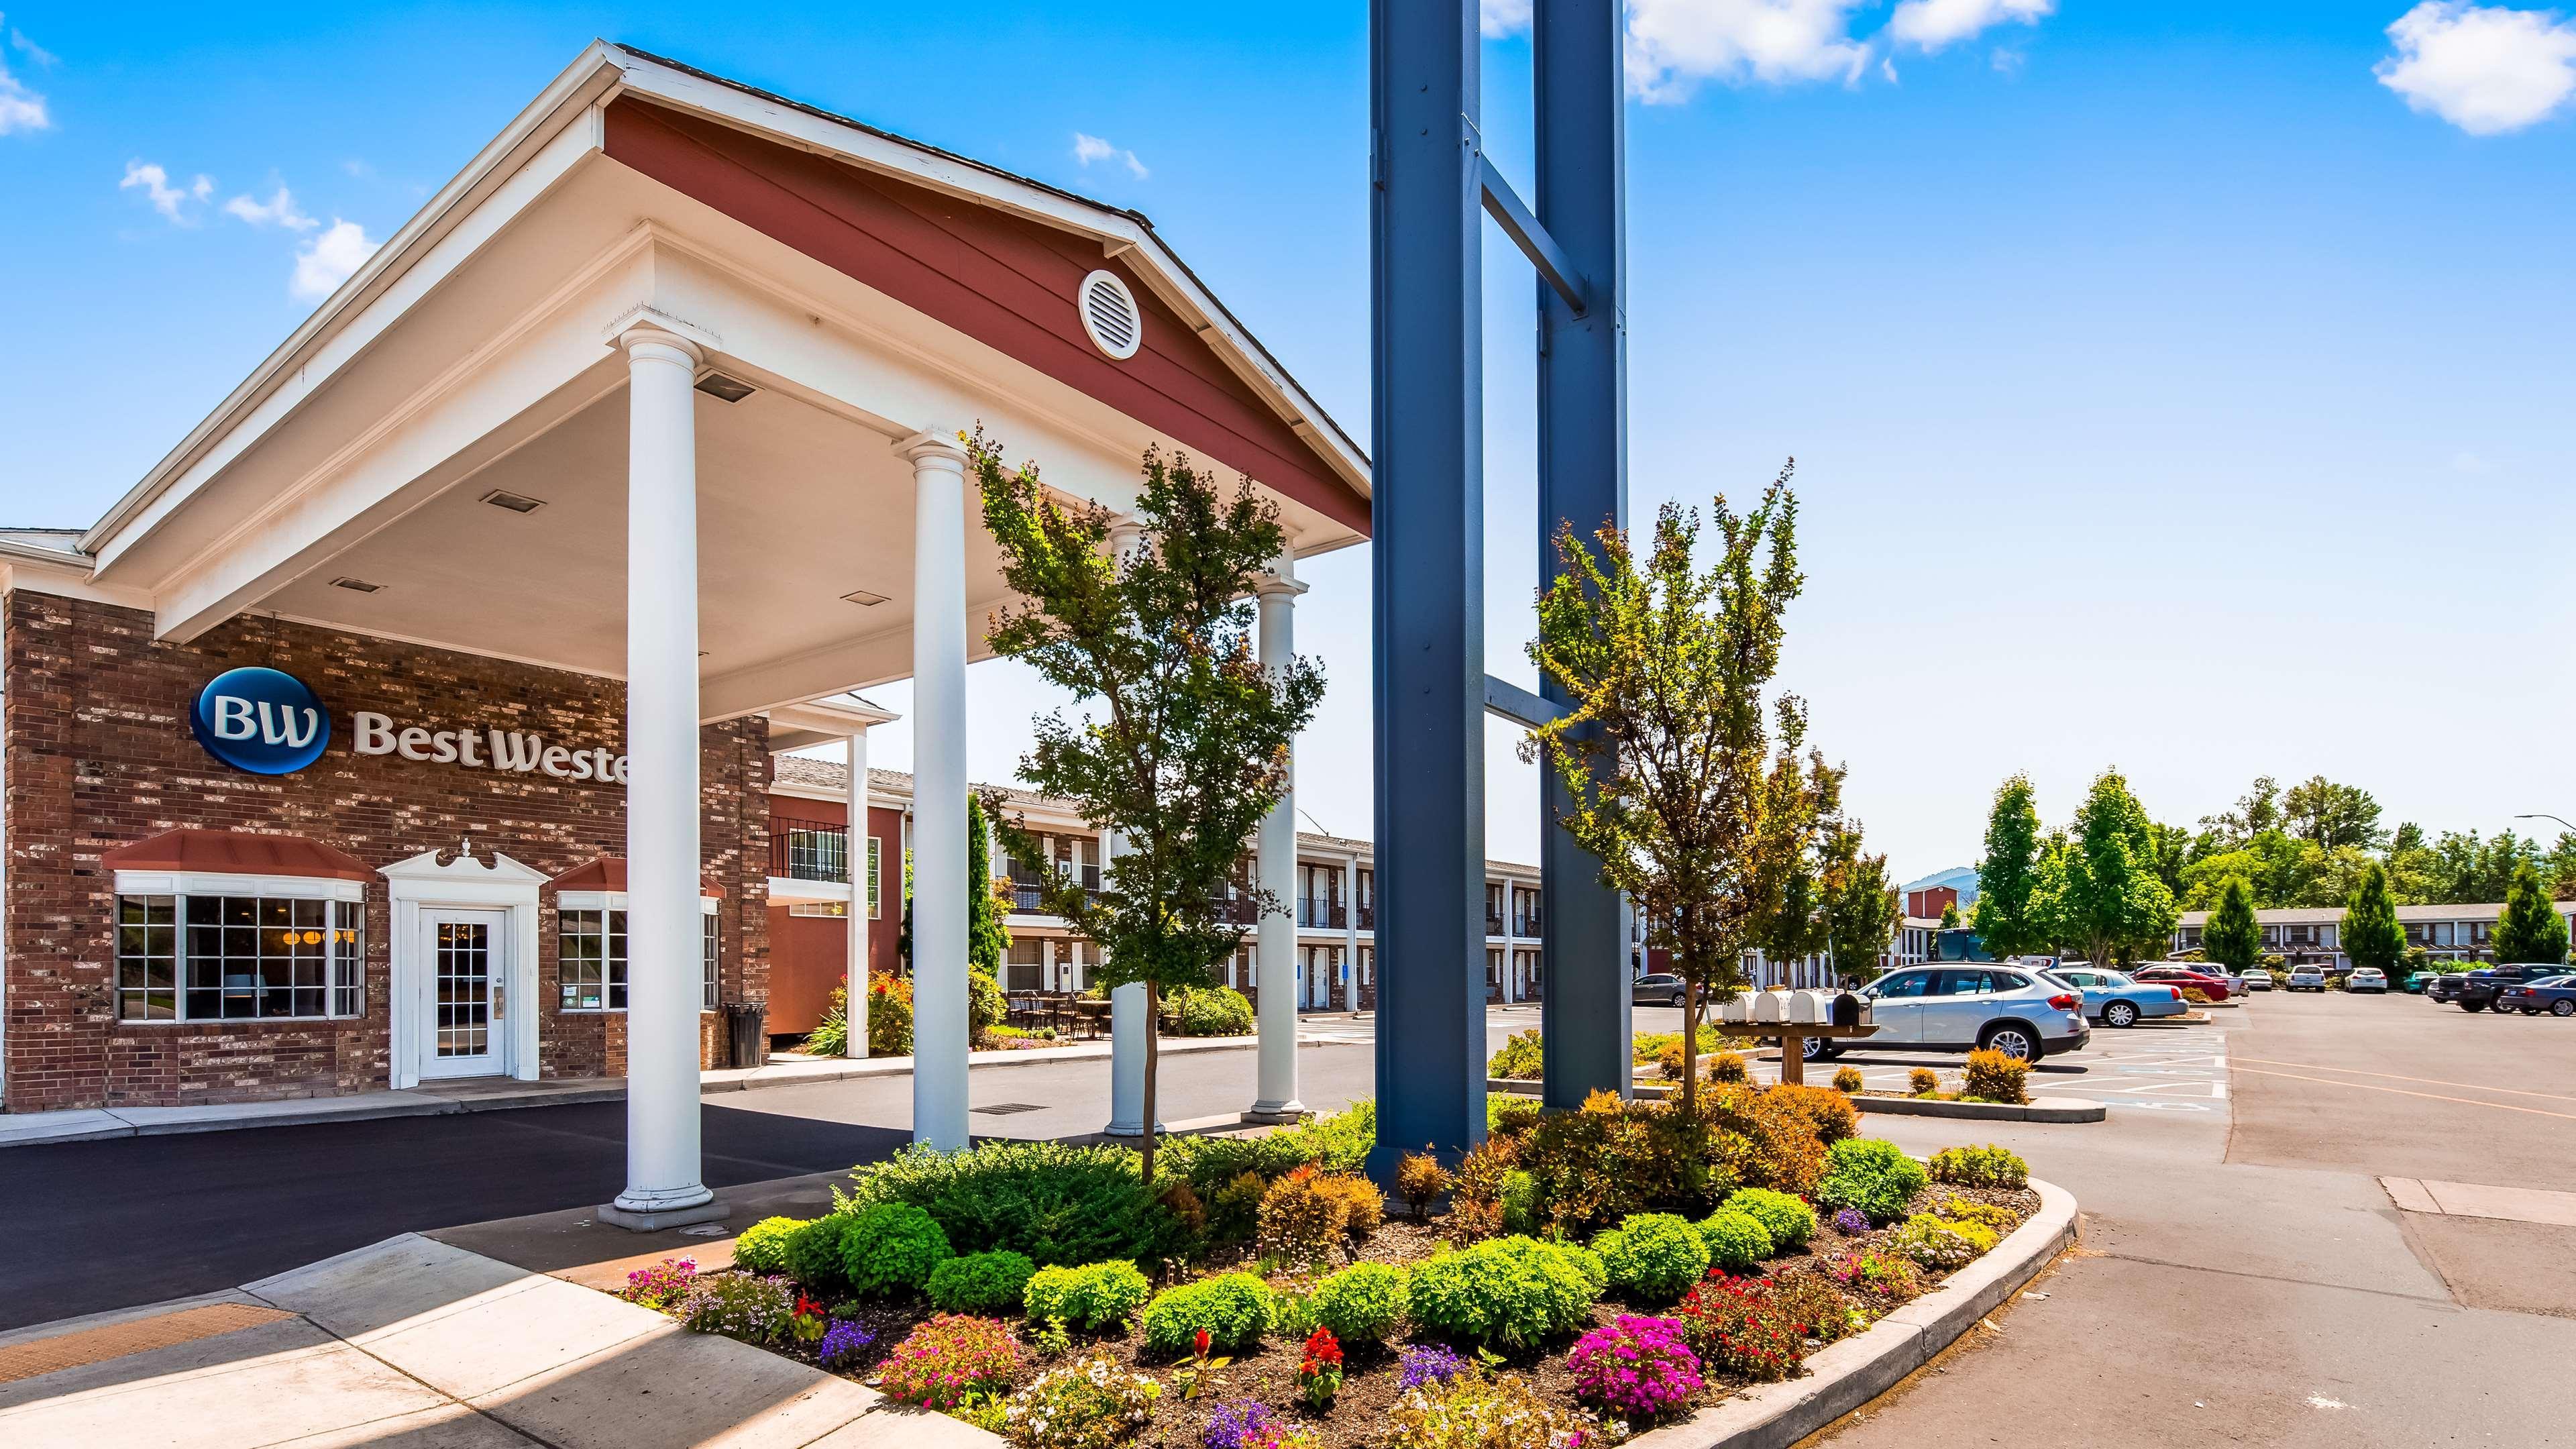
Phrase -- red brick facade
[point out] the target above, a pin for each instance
(99, 754)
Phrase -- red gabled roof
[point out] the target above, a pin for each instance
(237, 852)
(608, 873)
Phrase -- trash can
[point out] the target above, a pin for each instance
(747, 1028)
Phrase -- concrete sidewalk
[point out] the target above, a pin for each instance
(22, 1129)
(428, 1346)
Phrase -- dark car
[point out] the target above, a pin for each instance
(2553, 994)
(2478, 990)
(1660, 988)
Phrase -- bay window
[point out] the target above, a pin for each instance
(590, 958)
(205, 957)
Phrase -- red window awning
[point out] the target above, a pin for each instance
(237, 852)
(607, 873)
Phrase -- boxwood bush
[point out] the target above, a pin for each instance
(1234, 1308)
(1958, 1166)
(1736, 1241)
(987, 1283)
(1509, 1291)
(762, 1247)
(1056, 1203)
(1363, 1303)
(1788, 1220)
(1520, 1058)
(1209, 1011)
(1655, 1257)
(891, 1247)
(1873, 1177)
(1093, 1297)
(813, 1254)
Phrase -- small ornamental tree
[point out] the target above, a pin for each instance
(1184, 744)
(1689, 784)
(2008, 922)
(2371, 935)
(2233, 937)
(2530, 930)
(2111, 901)
(1949, 915)
(986, 937)
(1862, 910)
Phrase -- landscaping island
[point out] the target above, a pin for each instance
(1580, 1278)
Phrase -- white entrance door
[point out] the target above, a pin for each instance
(464, 957)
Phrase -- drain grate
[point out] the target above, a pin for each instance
(1008, 1109)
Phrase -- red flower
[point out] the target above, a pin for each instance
(1199, 1343)
(1322, 1350)
(807, 1307)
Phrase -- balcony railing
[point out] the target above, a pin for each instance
(809, 850)
(1368, 917)
(1493, 923)
(1321, 914)
(1526, 925)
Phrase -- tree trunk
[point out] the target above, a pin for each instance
(1690, 1047)
(1153, 1067)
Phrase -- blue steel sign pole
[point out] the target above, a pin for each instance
(1429, 179)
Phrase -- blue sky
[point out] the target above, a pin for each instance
(2183, 387)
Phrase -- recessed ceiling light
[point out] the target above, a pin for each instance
(725, 389)
(864, 599)
(515, 502)
(355, 586)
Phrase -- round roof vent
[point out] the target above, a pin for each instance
(1110, 315)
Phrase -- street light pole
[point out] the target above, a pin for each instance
(2545, 815)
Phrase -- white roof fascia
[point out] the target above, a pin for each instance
(590, 77)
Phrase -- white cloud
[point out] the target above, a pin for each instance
(1498, 18)
(1087, 149)
(1929, 25)
(1673, 45)
(2484, 69)
(171, 201)
(20, 108)
(326, 261)
(278, 210)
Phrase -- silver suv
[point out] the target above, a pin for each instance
(1961, 1008)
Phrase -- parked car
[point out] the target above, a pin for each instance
(2117, 1000)
(2553, 994)
(1657, 988)
(2444, 988)
(2421, 981)
(2258, 979)
(2478, 990)
(2306, 978)
(2367, 978)
(2016, 1011)
(2212, 984)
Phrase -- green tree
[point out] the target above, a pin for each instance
(1184, 746)
(986, 937)
(2112, 903)
(1794, 925)
(2008, 877)
(2257, 810)
(2530, 930)
(2329, 815)
(2370, 933)
(1699, 808)
(1949, 915)
(1862, 908)
(2233, 937)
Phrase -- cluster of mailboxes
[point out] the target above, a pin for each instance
(1796, 1008)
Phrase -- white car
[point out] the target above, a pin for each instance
(1968, 1006)
(2258, 979)
(2308, 978)
(2367, 978)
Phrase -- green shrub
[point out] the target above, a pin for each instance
(1211, 1164)
(1210, 1011)
(1611, 1158)
(1520, 1059)
(1993, 1217)
(1234, 1308)
(1341, 1142)
(986, 1283)
(985, 1003)
(762, 1247)
(1508, 1291)
(889, 1016)
(1957, 1166)
(1788, 1220)
(1938, 1244)
(813, 1254)
(1093, 1297)
(1736, 1241)
(1363, 1303)
(1054, 1202)
(1816, 1308)
(1509, 1114)
(1520, 1202)
(1847, 1080)
(1872, 1177)
(1093, 1403)
(1993, 1077)
(1655, 1257)
(890, 1247)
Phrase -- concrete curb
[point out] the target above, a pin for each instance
(2038, 1109)
(1848, 1375)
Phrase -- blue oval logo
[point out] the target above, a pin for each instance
(260, 720)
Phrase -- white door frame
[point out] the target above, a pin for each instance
(504, 885)
(496, 1057)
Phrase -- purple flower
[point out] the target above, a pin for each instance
(1851, 1222)
(1638, 1367)
(1429, 1363)
(842, 1342)
(1241, 1425)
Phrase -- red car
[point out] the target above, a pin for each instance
(2214, 987)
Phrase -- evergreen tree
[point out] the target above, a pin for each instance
(1862, 908)
(1949, 915)
(2530, 930)
(2370, 934)
(2008, 877)
(986, 937)
(2233, 937)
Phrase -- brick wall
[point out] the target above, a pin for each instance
(99, 754)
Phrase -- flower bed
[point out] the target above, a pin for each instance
(1597, 1272)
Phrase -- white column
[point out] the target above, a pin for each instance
(858, 855)
(664, 948)
(939, 883)
(1127, 1013)
(1275, 938)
